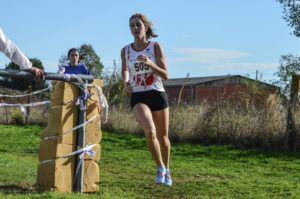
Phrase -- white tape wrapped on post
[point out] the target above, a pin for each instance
(86, 150)
(73, 129)
(102, 100)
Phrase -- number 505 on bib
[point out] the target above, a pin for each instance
(139, 68)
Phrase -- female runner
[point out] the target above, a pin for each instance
(143, 68)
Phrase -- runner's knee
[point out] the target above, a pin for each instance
(150, 133)
(164, 140)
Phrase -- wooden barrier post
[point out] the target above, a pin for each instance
(28, 101)
(58, 175)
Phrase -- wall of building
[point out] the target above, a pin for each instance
(173, 93)
(209, 94)
(231, 89)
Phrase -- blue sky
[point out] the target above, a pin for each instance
(203, 38)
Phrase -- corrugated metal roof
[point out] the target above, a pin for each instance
(194, 80)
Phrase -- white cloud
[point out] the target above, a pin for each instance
(207, 55)
(240, 66)
(214, 61)
(219, 59)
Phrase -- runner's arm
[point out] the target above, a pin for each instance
(125, 73)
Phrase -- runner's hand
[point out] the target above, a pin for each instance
(145, 60)
(128, 88)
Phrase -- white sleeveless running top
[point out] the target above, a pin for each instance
(141, 77)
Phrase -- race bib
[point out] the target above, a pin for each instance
(138, 67)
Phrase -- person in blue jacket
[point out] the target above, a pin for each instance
(74, 66)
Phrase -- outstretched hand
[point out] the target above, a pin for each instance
(38, 73)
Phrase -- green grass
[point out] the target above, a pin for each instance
(128, 171)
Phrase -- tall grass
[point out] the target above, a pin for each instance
(122, 120)
(220, 123)
(225, 123)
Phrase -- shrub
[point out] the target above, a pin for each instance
(17, 117)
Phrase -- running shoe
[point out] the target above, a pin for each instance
(168, 180)
(160, 177)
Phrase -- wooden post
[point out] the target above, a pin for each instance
(290, 126)
(28, 101)
(6, 115)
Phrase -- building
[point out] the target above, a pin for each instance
(235, 88)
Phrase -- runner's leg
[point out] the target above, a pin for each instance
(144, 117)
(161, 121)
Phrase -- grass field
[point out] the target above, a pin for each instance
(127, 170)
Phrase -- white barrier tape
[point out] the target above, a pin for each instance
(102, 100)
(68, 131)
(90, 85)
(84, 96)
(88, 96)
(90, 153)
(23, 110)
(31, 104)
(24, 95)
(67, 77)
(79, 85)
(86, 150)
(78, 78)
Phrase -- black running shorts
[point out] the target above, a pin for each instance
(155, 100)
